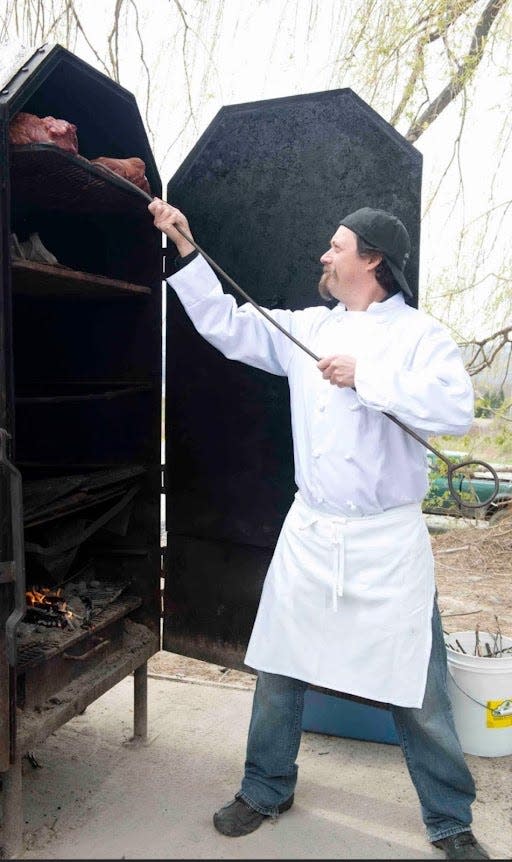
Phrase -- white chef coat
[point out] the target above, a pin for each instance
(360, 483)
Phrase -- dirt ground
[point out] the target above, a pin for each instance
(474, 577)
(191, 762)
(96, 796)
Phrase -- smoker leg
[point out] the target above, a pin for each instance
(11, 836)
(140, 703)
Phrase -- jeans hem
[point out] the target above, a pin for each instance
(273, 812)
(447, 833)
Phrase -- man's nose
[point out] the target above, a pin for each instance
(325, 257)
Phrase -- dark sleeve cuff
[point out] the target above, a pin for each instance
(180, 262)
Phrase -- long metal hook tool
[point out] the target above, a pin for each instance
(451, 466)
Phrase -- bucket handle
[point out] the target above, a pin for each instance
(492, 711)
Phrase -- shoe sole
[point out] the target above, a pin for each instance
(285, 806)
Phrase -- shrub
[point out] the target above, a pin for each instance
(489, 402)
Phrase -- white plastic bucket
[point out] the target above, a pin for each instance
(480, 690)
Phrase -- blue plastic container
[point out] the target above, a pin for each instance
(337, 716)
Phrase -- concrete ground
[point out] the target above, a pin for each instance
(98, 797)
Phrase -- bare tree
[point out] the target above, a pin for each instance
(413, 68)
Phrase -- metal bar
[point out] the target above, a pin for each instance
(95, 396)
(140, 702)
(402, 425)
(121, 552)
(240, 290)
(86, 655)
(18, 552)
(6, 334)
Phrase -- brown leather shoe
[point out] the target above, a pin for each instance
(238, 818)
(463, 845)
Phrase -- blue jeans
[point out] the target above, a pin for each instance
(427, 737)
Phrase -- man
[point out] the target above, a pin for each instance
(349, 599)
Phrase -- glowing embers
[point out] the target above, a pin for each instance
(48, 607)
(77, 604)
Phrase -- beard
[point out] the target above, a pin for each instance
(323, 288)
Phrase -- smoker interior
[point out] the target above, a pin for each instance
(83, 403)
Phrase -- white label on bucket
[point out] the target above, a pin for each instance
(499, 713)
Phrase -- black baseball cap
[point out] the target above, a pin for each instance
(387, 234)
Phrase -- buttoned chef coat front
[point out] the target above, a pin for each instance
(347, 601)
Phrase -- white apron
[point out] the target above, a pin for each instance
(347, 604)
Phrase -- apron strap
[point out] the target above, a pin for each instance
(338, 569)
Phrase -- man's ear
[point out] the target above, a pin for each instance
(373, 260)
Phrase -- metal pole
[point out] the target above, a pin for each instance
(140, 703)
(265, 314)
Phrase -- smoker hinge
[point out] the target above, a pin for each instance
(163, 479)
(163, 258)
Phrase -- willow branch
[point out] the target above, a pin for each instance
(487, 349)
(87, 41)
(113, 41)
(462, 75)
(144, 65)
(460, 9)
(417, 69)
(186, 28)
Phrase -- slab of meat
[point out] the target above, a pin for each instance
(29, 129)
(133, 169)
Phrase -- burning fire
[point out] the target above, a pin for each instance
(44, 598)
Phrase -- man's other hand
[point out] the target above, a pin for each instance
(338, 370)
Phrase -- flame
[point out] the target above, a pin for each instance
(45, 596)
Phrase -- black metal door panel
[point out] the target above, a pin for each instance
(264, 190)
(215, 622)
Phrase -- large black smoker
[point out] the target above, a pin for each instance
(81, 376)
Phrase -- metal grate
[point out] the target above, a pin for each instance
(34, 652)
(37, 643)
(49, 178)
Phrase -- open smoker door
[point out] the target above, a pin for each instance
(264, 189)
